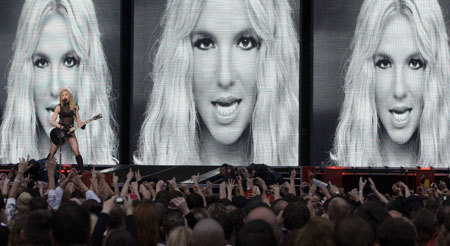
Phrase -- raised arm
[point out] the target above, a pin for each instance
(55, 115)
(77, 116)
(380, 196)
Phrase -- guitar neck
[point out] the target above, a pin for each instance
(85, 123)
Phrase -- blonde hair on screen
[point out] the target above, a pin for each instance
(171, 128)
(357, 140)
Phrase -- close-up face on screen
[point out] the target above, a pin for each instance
(385, 65)
(217, 91)
(49, 46)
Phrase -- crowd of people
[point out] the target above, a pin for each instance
(247, 210)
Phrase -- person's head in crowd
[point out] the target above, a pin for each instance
(278, 205)
(37, 227)
(208, 232)
(396, 232)
(92, 206)
(237, 218)
(424, 223)
(212, 199)
(70, 225)
(292, 198)
(216, 209)
(412, 204)
(174, 194)
(254, 202)
(23, 201)
(236, 108)
(374, 213)
(433, 205)
(229, 208)
(163, 196)
(200, 213)
(225, 202)
(295, 215)
(395, 213)
(227, 225)
(116, 220)
(397, 189)
(338, 208)
(38, 202)
(194, 200)
(58, 43)
(318, 231)
(180, 236)
(171, 219)
(160, 209)
(441, 215)
(353, 231)
(16, 226)
(396, 106)
(147, 224)
(239, 201)
(263, 213)
(444, 231)
(256, 232)
(395, 207)
(121, 237)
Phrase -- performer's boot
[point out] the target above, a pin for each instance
(80, 163)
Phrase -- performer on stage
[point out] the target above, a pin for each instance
(58, 43)
(67, 111)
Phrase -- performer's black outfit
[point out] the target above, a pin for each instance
(66, 119)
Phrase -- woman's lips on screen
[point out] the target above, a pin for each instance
(227, 109)
(400, 115)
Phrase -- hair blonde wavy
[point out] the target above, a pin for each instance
(71, 100)
(357, 141)
(171, 129)
(19, 130)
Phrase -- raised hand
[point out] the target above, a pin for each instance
(372, 185)
(109, 204)
(362, 184)
(172, 183)
(293, 173)
(276, 191)
(23, 166)
(180, 204)
(333, 188)
(222, 187)
(160, 186)
(262, 183)
(50, 165)
(130, 175)
(230, 184)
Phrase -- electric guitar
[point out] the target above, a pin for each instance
(59, 136)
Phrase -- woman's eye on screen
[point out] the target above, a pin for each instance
(416, 64)
(71, 61)
(40, 63)
(383, 63)
(247, 43)
(204, 44)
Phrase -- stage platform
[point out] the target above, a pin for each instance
(347, 177)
